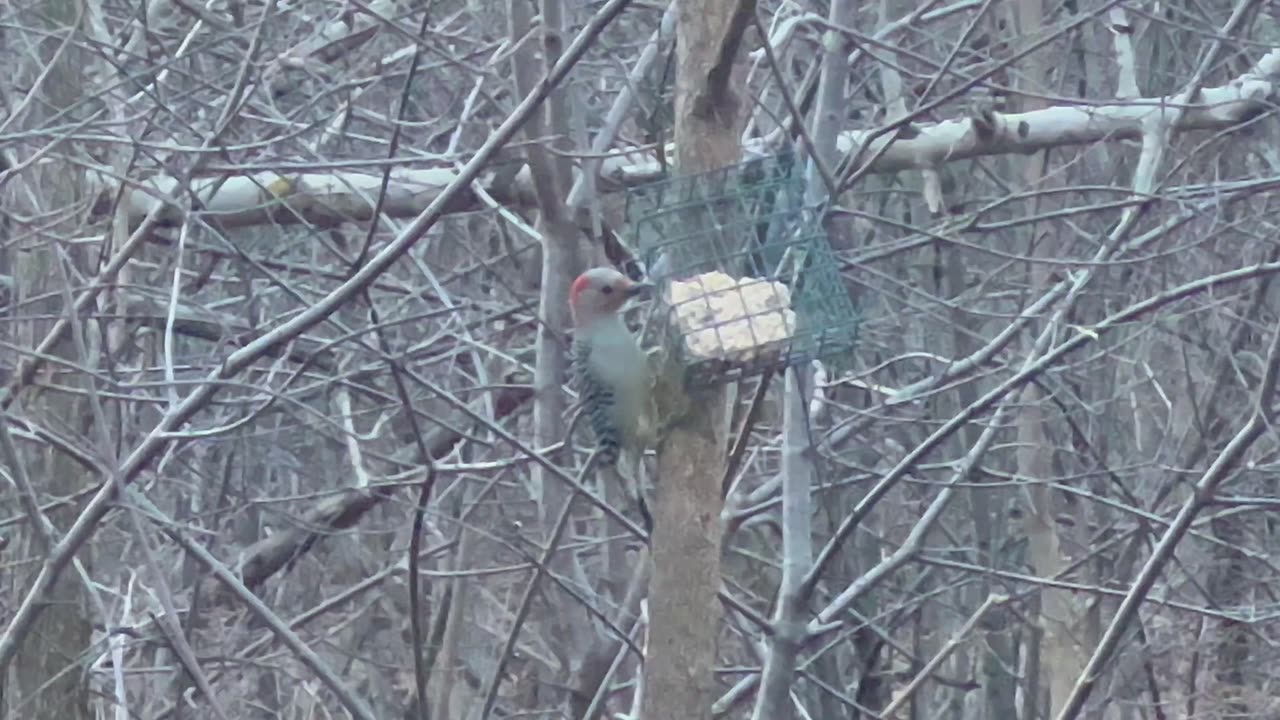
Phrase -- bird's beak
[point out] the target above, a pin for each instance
(639, 288)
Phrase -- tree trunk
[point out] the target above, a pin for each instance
(48, 679)
(684, 608)
(1059, 660)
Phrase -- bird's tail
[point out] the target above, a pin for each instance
(627, 468)
(608, 450)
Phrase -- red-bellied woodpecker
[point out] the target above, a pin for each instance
(614, 379)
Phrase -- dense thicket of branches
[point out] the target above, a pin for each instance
(1045, 488)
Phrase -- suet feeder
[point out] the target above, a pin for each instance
(747, 280)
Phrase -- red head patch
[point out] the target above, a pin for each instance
(580, 284)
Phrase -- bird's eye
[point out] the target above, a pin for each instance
(606, 289)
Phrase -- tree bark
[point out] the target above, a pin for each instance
(684, 610)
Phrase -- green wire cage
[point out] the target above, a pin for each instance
(747, 282)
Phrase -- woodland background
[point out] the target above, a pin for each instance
(283, 338)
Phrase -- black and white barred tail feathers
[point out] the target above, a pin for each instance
(598, 402)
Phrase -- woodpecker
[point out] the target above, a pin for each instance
(612, 372)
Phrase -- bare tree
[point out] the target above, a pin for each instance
(684, 605)
(284, 426)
